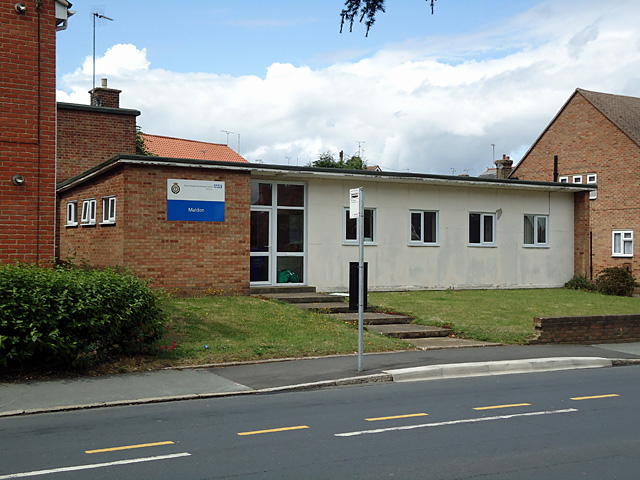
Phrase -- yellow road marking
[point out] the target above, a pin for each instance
(397, 416)
(596, 396)
(300, 427)
(129, 447)
(503, 406)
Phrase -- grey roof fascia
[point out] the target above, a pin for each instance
(311, 172)
(94, 109)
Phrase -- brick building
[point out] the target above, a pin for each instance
(28, 127)
(595, 139)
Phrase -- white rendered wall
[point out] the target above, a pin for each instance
(393, 264)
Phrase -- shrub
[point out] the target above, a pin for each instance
(615, 281)
(74, 317)
(580, 283)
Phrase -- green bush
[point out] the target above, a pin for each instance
(580, 283)
(615, 281)
(74, 317)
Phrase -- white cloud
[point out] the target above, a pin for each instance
(427, 105)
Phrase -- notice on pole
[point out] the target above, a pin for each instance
(354, 203)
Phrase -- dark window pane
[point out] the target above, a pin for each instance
(416, 227)
(542, 230)
(488, 228)
(261, 194)
(350, 227)
(528, 230)
(259, 271)
(290, 195)
(290, 269)
(259, 231)
(290, 231)
(474, 228)
(368, 225)
(430, 227)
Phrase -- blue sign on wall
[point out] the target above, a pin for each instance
(195, 200)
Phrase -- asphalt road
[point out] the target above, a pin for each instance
(571, 424)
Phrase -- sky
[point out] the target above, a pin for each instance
(446, 93)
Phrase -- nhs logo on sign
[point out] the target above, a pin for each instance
(195, 200)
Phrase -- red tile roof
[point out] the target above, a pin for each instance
(180, 148)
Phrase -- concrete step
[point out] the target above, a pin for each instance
(325, 307)
(285, 288)
(410, 331)
(438, 343)
(300, 297)
(373, 318)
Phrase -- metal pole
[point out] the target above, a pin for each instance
(360, 279)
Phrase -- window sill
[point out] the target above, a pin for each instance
(619, 255)
(483, 245)
(71, 225)
(536, 246)
(104, 224)
(355, 244)
(87, 224)
(415, 244)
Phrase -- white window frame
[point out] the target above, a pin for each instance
(563, 179)
(592, 178)
(88, 212)
(536, 241)
(108, 210)
(354, 241)
(421, 241)
(577, 179)
(626, 238)
(494, 228)
(72, 214)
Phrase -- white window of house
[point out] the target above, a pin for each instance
(423, 227)
(72, 214)
(108, 210)
(577, 179)
(592, 178)
(482, 229)
(88, 212)
(536, 230)
(622, 243)
(350, 233)
(563, 179)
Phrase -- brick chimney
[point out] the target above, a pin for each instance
(105, 97)
(504, 167)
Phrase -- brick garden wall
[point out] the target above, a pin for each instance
(586, 142)
(186, 256)
(588, 329)
(27, 131)
(89, 135)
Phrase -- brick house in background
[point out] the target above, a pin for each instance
(172, 147)
(595, 139)
(28, 127)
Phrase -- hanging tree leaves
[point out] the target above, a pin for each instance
(364, 9)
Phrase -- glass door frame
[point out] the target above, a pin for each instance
(273, 254)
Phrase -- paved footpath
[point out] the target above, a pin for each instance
(211, 381)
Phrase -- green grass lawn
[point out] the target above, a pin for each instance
(239, 328)
(504, 316)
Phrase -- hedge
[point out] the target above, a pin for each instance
(69, 317)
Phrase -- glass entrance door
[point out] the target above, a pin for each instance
(278, 228)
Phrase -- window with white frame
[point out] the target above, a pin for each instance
(350, 233)
(622, 243)
(536, 230)
(577, 179)
(482, 229)
(423, 227)
(88, 212)
(72, 214)
(563, 179)
(592, 178)
(108, 210)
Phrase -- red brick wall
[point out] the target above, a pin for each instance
(88, 136)
(185, 256)
(27, 131)
(589, 329)
(586, 142)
